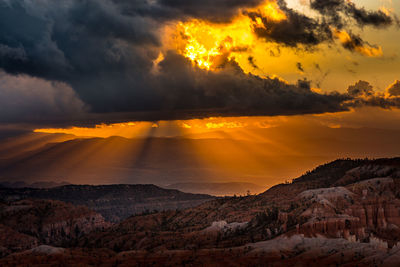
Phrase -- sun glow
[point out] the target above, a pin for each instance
(128, 129)
(193, 128)
(209, 45)
(229, 125)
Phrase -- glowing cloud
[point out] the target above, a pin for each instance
(229, 125)
(354, 43)
(208, 45)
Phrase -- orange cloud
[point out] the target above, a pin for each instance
(355, 44)
(208, 44)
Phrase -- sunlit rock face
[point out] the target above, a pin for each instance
(361, 211)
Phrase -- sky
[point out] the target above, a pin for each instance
(196, 69)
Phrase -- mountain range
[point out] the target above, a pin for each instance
(22, 184)
(265, 157)
(114, 202)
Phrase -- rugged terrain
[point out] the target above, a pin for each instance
(114, 202)
(345, 213)
(27, 223)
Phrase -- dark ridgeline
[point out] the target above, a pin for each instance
(114, 202)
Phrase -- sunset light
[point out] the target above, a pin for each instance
(200, 133)
(209, 45)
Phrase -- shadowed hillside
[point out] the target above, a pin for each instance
(114, 202)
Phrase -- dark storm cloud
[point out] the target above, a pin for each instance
(394, 89)
(219, 11)
(338, 10)
(297, 29)
(24, 99)
(99, 54)
(301, 30)
(231, 91)
(104, 55)
(363, 94)
(361, 88)
(364, 17)
(213, 10)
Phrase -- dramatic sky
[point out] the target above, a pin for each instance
(140, 68)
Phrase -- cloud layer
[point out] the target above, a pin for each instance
(24, 99)
(100, 54)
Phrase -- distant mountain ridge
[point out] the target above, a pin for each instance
(219, 189)
(269, 157)
(114, 202)
(40, 184)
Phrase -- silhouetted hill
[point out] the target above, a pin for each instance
(22, 184)
(219, 189)
(114, 202)
(326, 175)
